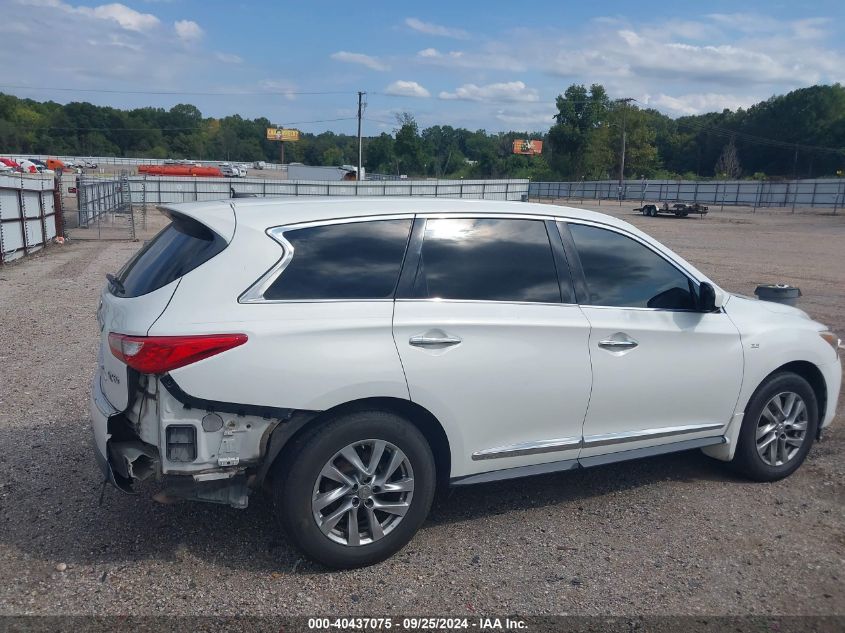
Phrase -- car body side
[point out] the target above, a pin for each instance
(312, 357)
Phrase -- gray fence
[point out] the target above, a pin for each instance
(154, 190)
(105, 204)
(28, 215)
(113, 206)
(828, 193)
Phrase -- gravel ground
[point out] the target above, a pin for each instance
(670, 535)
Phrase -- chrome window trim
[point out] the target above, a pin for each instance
(528, 448)
(606, 439)
(485, 301)
(255, 293)
(487, 215)
(636, 238)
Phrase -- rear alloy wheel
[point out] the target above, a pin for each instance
(778, 429)
(353, 491)
(363, 492)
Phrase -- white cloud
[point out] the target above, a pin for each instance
(698, 103)
(526, 120)
(481, 60)
(282, 86)
(508, 91)
(127, 18)
(402, 88)
(627, 59)
(188, 30)
(373, 63)
(228, 58)
(91, 47)
(429, 28)
(811, 28)
(746, 22)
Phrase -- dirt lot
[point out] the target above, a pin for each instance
(669, 535)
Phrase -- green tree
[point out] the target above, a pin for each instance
(409, 146)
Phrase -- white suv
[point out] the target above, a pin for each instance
(351, 354)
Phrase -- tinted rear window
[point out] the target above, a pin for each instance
(358, 260)
(176, 250)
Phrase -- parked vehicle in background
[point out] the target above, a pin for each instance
(259, 164)
(349, 354)
(28, 167)
(55, 163)
(90, 165)
(679, 209)
(229, 171)
(11, 164)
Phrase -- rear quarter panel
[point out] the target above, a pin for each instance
(301, 355)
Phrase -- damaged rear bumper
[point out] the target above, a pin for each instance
(222, 464)
(101, 411)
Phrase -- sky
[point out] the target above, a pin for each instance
(481, 65)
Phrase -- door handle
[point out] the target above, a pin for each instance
(618, 344)
(422, 340)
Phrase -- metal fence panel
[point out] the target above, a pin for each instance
(154, 190)
(27, 215)
(821, 192)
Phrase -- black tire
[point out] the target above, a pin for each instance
(298, 470)
(747, 460)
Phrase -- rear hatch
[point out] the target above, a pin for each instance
(137, 295)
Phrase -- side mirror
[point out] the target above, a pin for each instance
(707, 297)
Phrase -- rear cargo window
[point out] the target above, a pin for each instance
(357, 260)
(181, 246)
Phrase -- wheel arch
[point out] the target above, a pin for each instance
(419, 416)
(813, 375)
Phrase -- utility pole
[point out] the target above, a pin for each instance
(625, 101)
(360, 146)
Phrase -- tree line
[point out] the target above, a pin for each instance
(801, 133)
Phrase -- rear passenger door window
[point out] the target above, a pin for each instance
(487, 259)
(351, 261)
(623, 273)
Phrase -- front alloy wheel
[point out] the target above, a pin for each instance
(778, 428)
(363, 492)
(782, 428)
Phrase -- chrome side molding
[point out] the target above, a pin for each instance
(586, 462)
(647, 434)
(528, 448)
(589, 441)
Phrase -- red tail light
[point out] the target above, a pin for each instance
(160, 354)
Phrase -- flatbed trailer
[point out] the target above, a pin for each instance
(678, 209)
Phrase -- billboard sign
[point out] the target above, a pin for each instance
(282, 134)
(523, 146)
